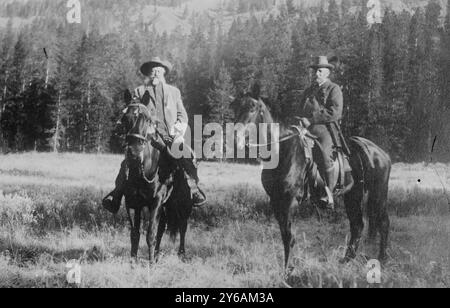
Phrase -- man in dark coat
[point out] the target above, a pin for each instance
(322, 108)
(172, 126)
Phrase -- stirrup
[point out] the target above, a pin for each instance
(330, 201)
(205, 199)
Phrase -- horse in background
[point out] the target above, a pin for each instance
(155, 190)
(287, 184)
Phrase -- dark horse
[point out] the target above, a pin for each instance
(287, 185)
(155, 189)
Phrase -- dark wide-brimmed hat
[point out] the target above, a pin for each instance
(321, 62)
(146, 68)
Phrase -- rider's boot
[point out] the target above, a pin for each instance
(347, 186)
(326, 198)
(189, 166)
(319, 189)
(330, 182)
(113, 200)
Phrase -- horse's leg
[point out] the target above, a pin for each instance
(384, 231)
(282, 209)
(378, 204)
(134, 217)
(184, 208)
(154, 218)
(161, 229)
(372, 217)
(183, 230)
(353, 206)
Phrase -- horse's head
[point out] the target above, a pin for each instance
(138, 123)
(249, 110)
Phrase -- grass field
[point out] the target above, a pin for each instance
(50, 213)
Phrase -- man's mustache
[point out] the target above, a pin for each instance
(155, 81)
(152, 81)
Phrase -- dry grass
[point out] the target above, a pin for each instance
(49, 214)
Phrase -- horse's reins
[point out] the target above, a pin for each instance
(144, 139)
(284, 139)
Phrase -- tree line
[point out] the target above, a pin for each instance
(61, 84)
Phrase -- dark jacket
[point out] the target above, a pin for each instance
(323, 104)
(323, 107)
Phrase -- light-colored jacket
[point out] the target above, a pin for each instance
(175, 114)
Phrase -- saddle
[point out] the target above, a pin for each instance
(342, 170)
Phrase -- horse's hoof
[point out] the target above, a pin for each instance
(134, 262)
(182, 256)
(348, 258)
(288, 271)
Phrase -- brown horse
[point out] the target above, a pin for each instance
(154, 188)
(287, 184)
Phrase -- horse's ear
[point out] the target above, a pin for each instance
(334, 60)
(256, 90)
(235, 102)
(127, 97)
(146, 98)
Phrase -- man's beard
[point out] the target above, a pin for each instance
(320, 81)
(155, 81)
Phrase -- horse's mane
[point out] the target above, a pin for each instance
(291, 150)
(269, 118)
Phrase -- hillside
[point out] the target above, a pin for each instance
(164, 18)
(393, 75)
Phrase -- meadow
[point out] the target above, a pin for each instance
(50, 213)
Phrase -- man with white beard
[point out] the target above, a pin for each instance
(172, 125)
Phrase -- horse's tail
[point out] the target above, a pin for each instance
(178, 207)
(173, 221)
(177, 214)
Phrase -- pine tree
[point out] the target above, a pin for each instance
(431, 90)
(355, 77)
(18, 77)
(416, 116)
(5, 62)
(274, 54)
(38, 109)
(333, 25)
(444, 138)
(291, 8)
(196, 74)
(219, 98)
(395, 35)
(241, 52)
(376, 104)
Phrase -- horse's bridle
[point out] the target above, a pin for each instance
(300, 130)
(143, 139)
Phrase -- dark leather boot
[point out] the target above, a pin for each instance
(321, 193)
(189, 166)
(113, 200)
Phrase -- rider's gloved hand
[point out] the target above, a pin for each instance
(168, 140)
(306, 123)
(178, 131)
